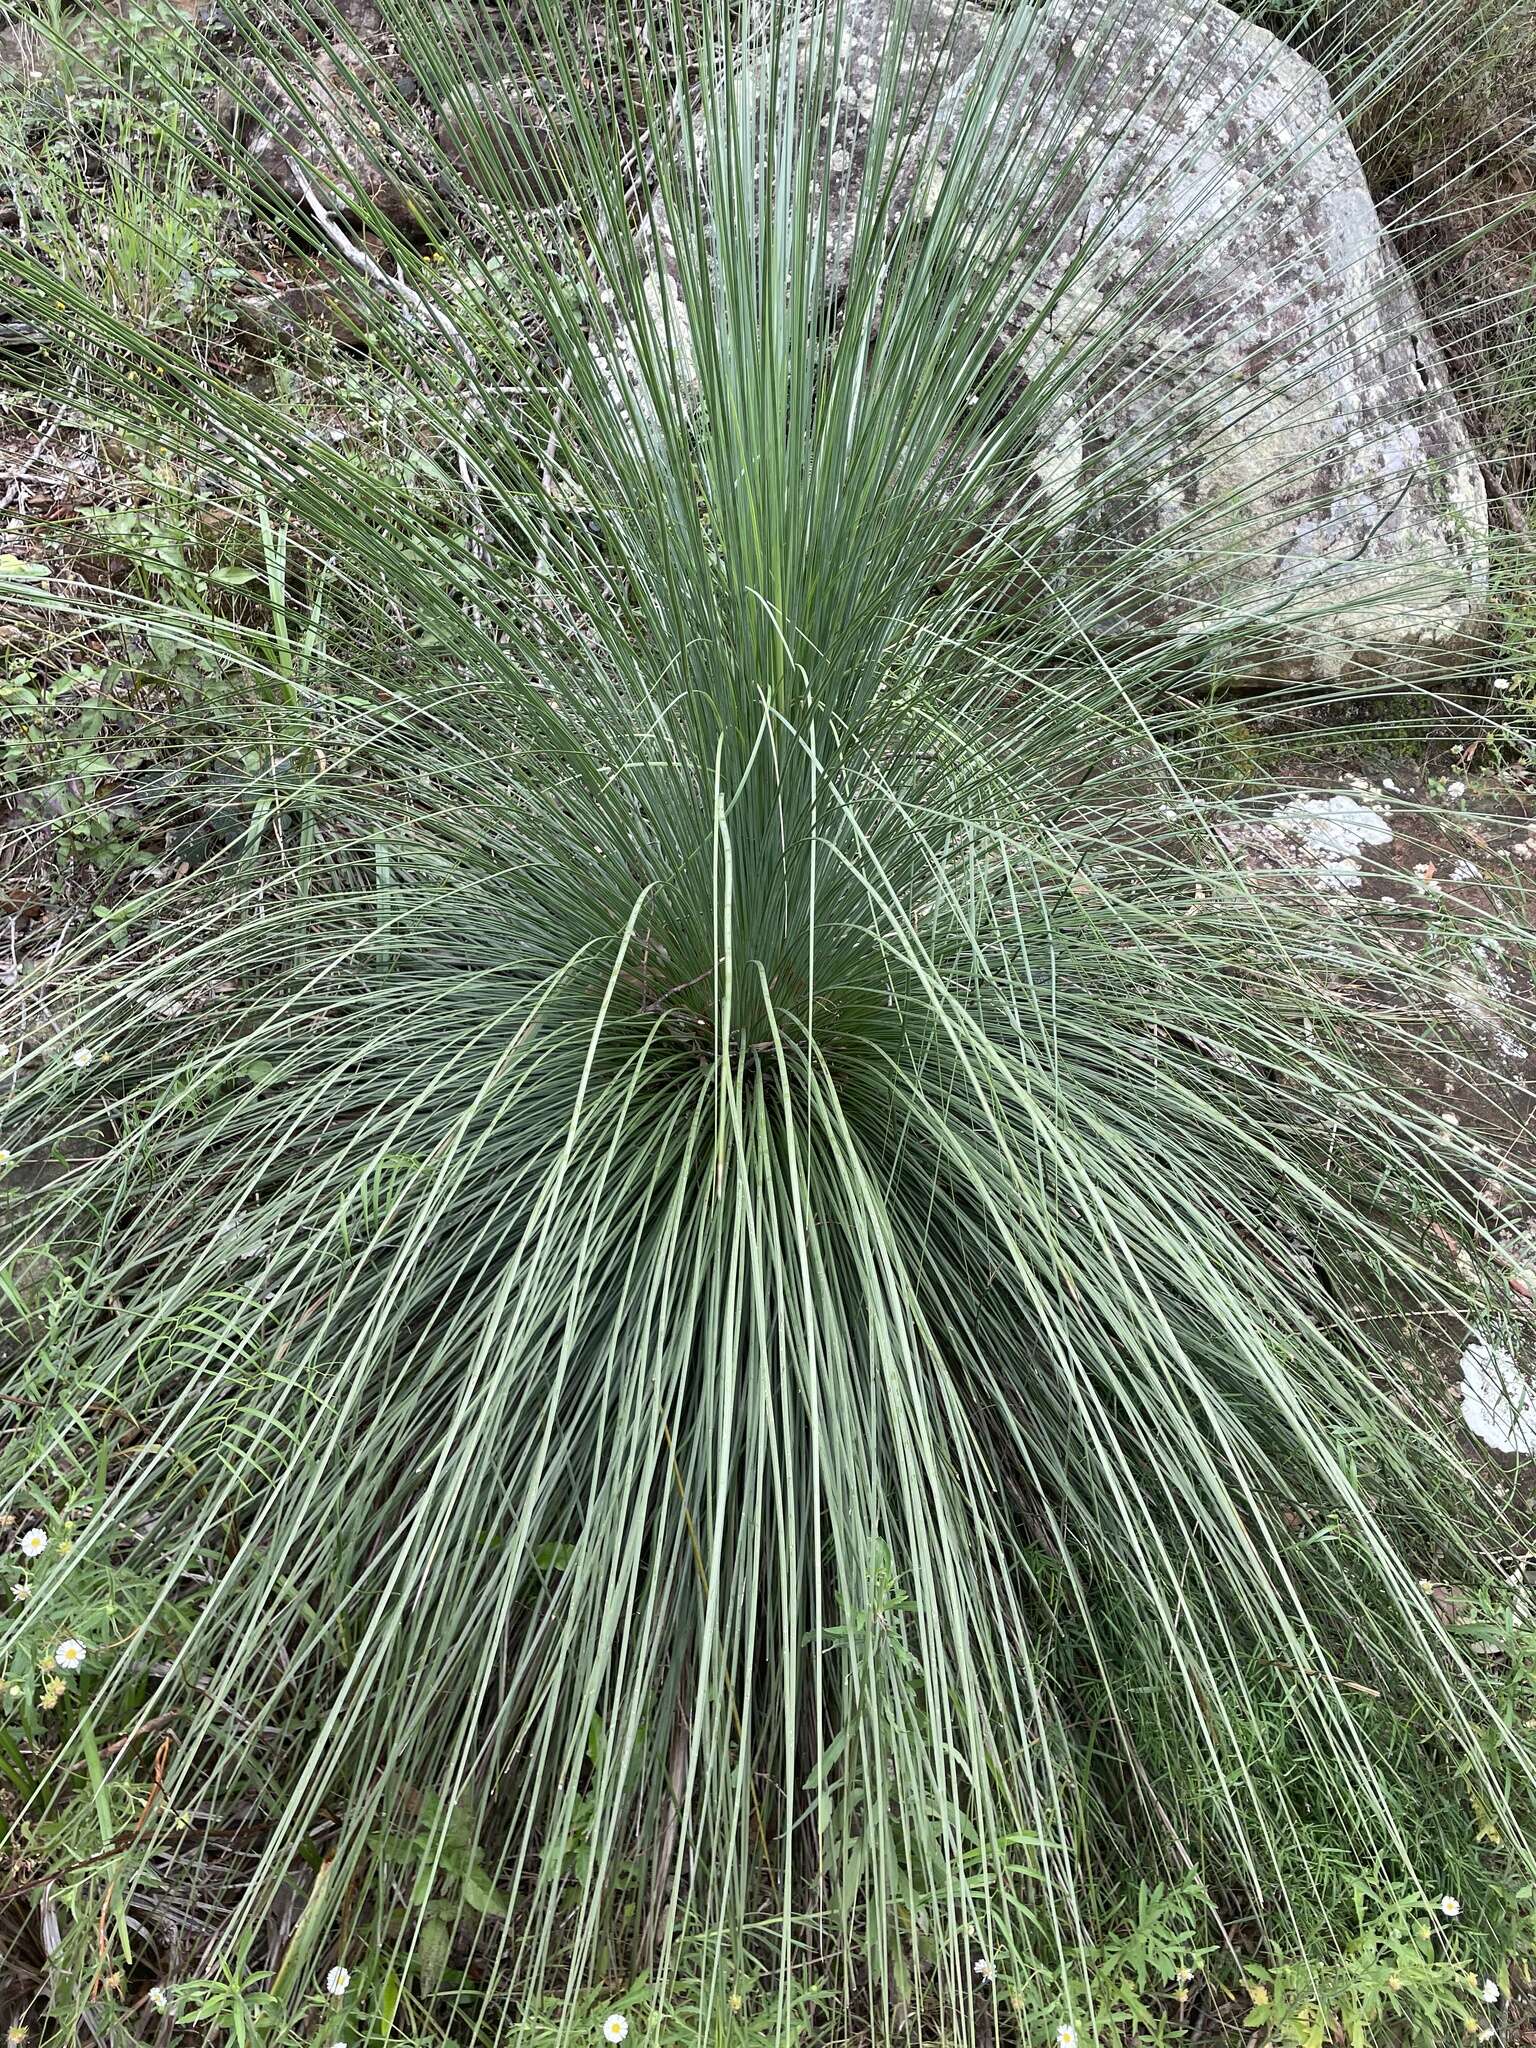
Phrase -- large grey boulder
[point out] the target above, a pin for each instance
(1245, 405)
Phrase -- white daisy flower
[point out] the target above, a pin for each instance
(21, 1590)
(159, 1998)
(1066, 2037)
(34, 1543)
(1450, 1907)
(337, 1980)
(615, 2027)
(81, 1056)
(5, 1159)
(1490, 1992)
(70, 1655)
(986, 1969)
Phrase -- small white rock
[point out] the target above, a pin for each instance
(1498, 1400)
(1333, 830)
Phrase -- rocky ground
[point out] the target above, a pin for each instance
(1437, 850)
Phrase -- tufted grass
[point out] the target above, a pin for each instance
(721, 1284)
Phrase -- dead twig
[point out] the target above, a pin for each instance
(421, 313)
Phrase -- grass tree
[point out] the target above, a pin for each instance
(734, 1301)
